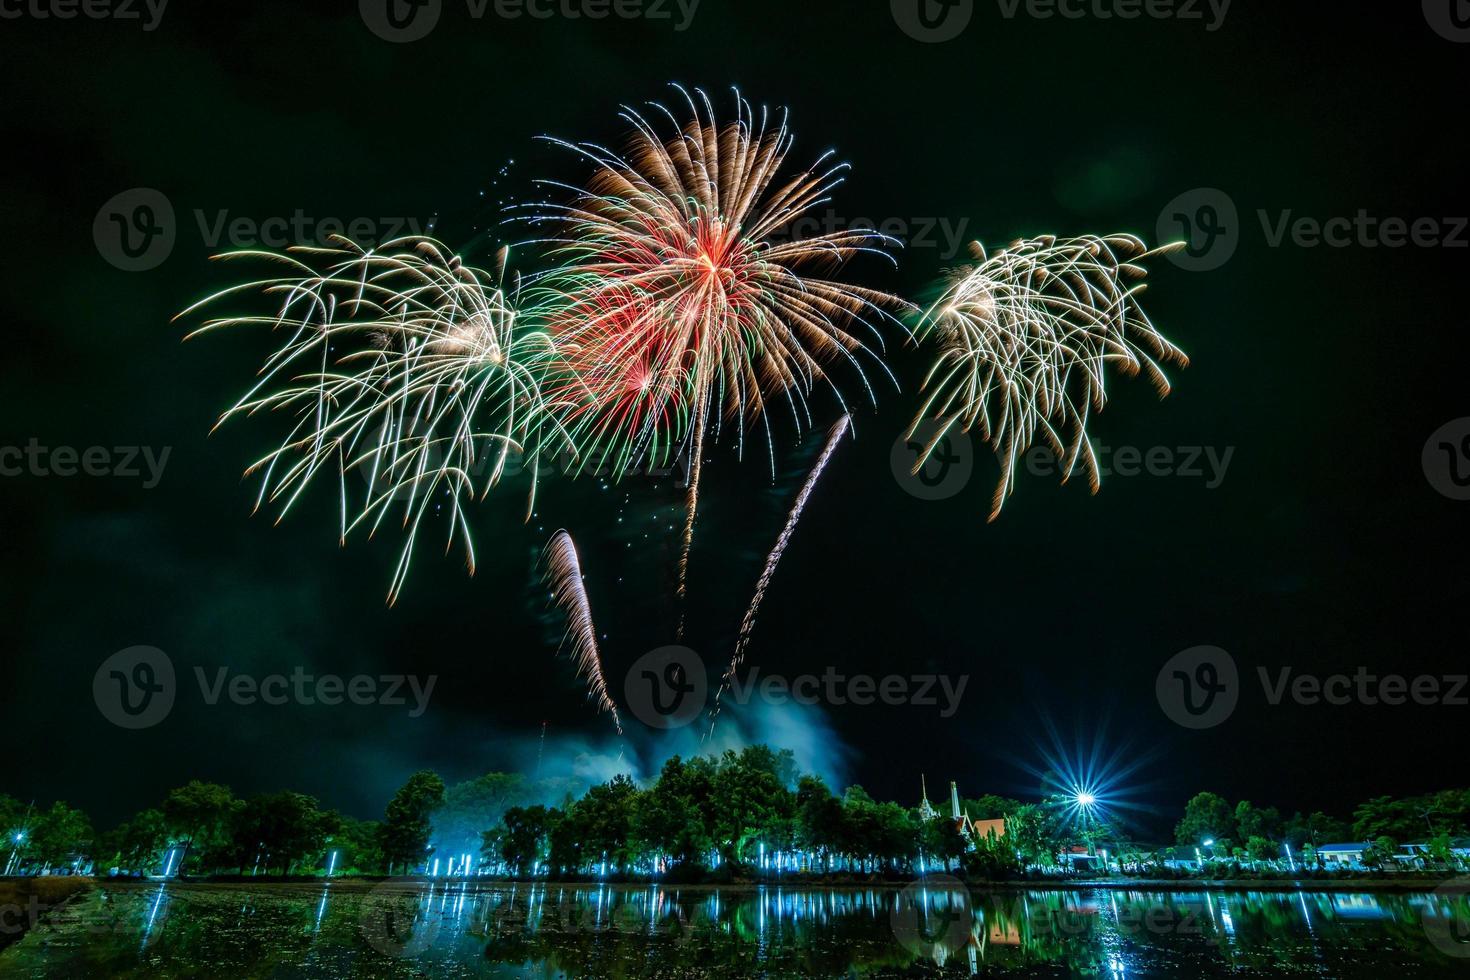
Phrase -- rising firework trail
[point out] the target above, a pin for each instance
(747, 626)
(564, 569)
(685, 298)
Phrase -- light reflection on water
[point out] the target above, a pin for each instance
(346, 929)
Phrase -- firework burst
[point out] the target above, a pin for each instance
(1025, 337)
(564, 569)
(407, 378)
(683, 299)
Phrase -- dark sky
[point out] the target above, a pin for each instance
(1325, 369)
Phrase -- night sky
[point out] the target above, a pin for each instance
(1324, 369)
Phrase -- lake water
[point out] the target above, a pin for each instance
(404, 929)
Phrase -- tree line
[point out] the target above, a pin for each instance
(1248, 834)
(739, 813)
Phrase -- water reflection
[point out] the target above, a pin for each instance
(344, 929)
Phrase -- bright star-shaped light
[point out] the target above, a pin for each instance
(1087, 784)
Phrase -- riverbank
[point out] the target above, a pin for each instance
(25, 901)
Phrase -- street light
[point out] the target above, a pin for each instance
(14, 861)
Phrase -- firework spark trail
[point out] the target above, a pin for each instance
(403, 365)
(747, 626)
(684, 296)
(1025, 337)
(564, 568)
(696, 462)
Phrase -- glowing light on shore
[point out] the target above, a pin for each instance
(1089, 783)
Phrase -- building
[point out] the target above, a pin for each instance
(982, 829)
(973, 831)
(1417, 852)
(1181, 858)
(1348, 855)
(1078, 857)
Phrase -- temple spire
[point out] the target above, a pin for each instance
(926, 810)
